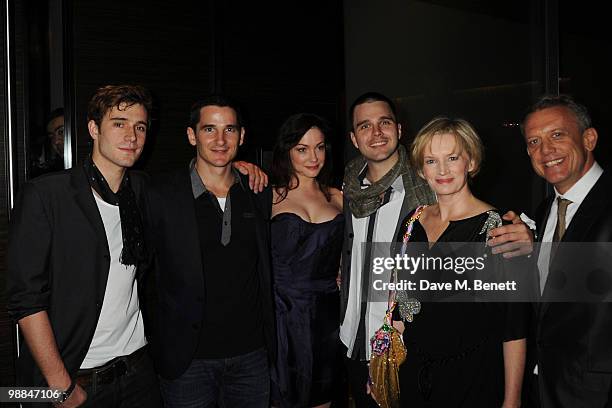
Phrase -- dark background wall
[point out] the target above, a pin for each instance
(585, 63)
(167, 51)
(275, 61)
(469, 59)
(484, 61)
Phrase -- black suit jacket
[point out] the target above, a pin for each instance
(173, 233)
(573, 340)
(58, 261)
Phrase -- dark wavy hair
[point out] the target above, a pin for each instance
(290, 133)
(113, 96)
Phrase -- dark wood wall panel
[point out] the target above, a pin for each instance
(288, 59)
(162, 45)
(273, 65)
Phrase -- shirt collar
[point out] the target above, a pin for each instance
(397, 185)
(197, 186)
(581, 188)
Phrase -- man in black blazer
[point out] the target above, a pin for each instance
(76, 245)
(572, 344)
(214, 329)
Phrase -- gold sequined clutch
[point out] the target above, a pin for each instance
(388, 353)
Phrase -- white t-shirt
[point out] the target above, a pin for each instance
(222, 201)
(120, 330)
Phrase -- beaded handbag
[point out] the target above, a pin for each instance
(388, 350)
(388, 353)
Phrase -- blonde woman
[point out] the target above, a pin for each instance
(458, 354)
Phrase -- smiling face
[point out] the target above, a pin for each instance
(119, 139)
(217, 136)
(559, 151)
(445, 166)
(308, 156)
(375, 132)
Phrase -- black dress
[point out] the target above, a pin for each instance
(305, 263)
(455, 350)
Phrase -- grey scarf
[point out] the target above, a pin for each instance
(365, 201)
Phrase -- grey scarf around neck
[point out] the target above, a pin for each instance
(365, 201)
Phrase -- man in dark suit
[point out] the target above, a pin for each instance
(215, 325)
(76, 245)
(572, 343)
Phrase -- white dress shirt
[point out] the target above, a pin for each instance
(387, 217)
(576, 194)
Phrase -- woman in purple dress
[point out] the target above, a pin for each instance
(307, 231)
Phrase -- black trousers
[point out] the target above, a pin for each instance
(357, 376)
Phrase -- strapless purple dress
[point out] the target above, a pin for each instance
(305, 262)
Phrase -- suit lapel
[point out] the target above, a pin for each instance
(541, 218)
(588, 213)
(87, 203)
(85, 200)
(407, 205)
(186, 218)
(347, 247)
(582, 222)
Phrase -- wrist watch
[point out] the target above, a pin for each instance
(64, 395)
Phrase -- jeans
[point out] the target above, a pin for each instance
(241, 381)
(138, 387)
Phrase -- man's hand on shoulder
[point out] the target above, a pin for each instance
(513, 239)
(336, 197)
(258, 179)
